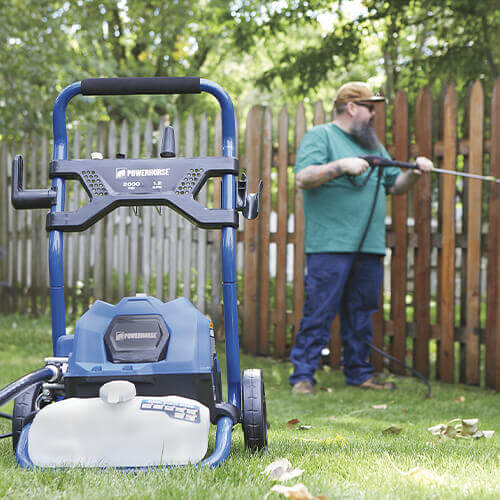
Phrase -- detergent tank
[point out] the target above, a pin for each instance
(119, 429)
(162, 348)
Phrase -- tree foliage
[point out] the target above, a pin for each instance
(262, 52)
(418, 41)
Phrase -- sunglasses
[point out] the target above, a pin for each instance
(370, 107)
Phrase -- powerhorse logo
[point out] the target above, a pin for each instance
(123, 173)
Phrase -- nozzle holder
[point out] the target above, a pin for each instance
(28, 198)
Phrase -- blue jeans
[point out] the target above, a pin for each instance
(332, 286)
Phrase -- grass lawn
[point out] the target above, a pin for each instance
(344, 454)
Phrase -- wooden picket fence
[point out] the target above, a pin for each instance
(442, 297)
(128, 252)
(446, 321)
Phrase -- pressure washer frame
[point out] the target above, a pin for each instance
(55, 198)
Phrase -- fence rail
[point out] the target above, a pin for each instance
(441, 301)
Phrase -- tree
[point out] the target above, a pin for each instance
(419, 41)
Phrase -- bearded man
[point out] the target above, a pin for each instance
(338, 195)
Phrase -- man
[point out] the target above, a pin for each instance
(338, 197)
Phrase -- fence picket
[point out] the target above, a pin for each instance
(146, 219)
(299, 227)
(188, 231)
(100, 247)
(215, 236)
(44, 267)
(446, 264)
(33, 240)
(319, 113)
(378, 317)
(265, 235)
(201, 251)
(251, 236)
(281, 234)
(111, 243)
(422, 263)
(13, 255)
(473, 251)
(134, 220)
(4, 227)
(73, 247)
(493, 279)
(121, 267)
(22, 218)
(173, 233)
(158, 230)
(399, 253)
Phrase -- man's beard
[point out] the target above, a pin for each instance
(364, 134)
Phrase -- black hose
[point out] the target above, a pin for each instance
(19, 386)
(356, 255)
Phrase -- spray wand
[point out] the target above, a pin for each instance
(380, 161)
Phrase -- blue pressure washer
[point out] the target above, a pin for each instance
(140, 363)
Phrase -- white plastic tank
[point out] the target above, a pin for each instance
(119, 429)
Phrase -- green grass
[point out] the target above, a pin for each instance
(361, 463)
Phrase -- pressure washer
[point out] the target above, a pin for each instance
(138, 383)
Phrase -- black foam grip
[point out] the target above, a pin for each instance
(145, 85)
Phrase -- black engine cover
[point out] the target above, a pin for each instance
(136, 339)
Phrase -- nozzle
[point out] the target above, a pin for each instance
(168, 143)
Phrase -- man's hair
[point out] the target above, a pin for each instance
(340, 108)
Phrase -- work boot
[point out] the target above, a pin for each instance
(303, 387)
(373, 383)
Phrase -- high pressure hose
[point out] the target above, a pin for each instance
(48, 373)
(375, 164)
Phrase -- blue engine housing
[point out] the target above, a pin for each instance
(189, 367)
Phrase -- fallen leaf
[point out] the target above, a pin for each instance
(281, 470)
(469, 426)
(393, 429)
(461, 399)
(304, 427)
(436, 430)
(326, 389)
(291, 423)
(404, 410)
(460, 428)
(485, 434)
(296, 492)
(423, 475)
(379, 407)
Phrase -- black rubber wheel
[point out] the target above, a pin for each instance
(24, 406)
(254, 414)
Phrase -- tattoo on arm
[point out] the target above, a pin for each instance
(316, 175)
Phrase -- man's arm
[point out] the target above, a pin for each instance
(315, 175)
(406, 180)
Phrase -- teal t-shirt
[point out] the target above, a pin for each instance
(336, 213)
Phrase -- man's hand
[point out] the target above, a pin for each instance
(406, 180)
(423, 164)
(354, 166)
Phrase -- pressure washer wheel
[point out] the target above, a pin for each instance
(254, 414)
(24, 407)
